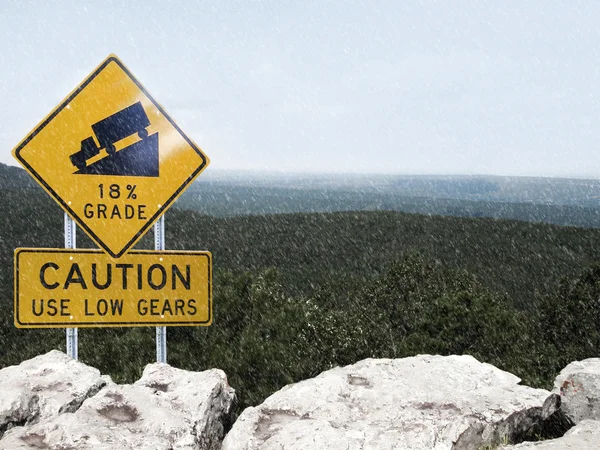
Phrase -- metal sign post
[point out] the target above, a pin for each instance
(115, 161)
(161, 332)
(70, 229)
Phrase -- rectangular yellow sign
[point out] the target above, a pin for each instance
(58, 288)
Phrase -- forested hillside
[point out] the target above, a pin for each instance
(297, 293)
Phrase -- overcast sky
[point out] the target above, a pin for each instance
(498, 87)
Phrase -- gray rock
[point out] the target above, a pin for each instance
(530, 424)
(167, 408)
(578, 384)
(584, 436)
(424, 402)
(43, 387)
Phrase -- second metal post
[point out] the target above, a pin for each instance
(70, 229)
(161, 332)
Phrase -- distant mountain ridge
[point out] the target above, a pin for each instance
(560, 201)
(15, 178)
(506, 189)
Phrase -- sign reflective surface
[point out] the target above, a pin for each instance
(111, 157)
(57, 288)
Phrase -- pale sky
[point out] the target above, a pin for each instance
(411, 87)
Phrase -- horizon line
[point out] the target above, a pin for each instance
(283, 172)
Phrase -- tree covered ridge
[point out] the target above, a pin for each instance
(297, 294)
(264, 338)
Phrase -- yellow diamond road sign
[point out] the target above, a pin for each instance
(112, 157)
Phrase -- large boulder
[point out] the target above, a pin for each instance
(585, 435)
(44, 387)
(423, 402)
(578, 384)
(166, 409)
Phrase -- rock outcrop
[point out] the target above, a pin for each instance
(44, 387)
(423, 402)
(578, 384)
(167, 408)
(584, 436)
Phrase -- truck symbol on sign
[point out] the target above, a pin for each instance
(111, 130)
(120, 125)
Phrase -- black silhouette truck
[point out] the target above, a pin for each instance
(120, 125)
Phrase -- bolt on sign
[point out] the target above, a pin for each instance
(111, 157)
(58, 288)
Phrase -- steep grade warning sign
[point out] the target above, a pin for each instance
(87, 288)
(111, 157)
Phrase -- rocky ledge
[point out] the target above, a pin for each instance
(53, 402)
(424, 402)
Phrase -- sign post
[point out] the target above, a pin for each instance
(115, 161)
(161, 332)
(70, 242)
